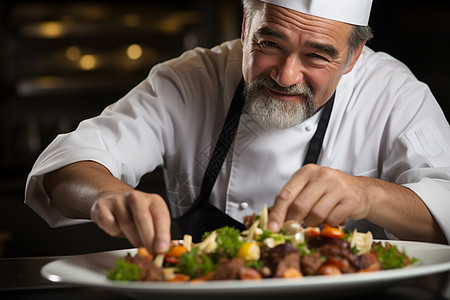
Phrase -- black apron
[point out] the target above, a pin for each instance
(203, 216)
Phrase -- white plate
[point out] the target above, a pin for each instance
(92, 269)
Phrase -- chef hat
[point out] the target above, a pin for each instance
(355, 12)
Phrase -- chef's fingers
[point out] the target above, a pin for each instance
(339, 215)
(123, 212)
(111, 214)
(306, 200)
(343, 198)
(285, 198)
(323, 211)
(138, 204)
(161, 220)
(151, 219)
(101, 215)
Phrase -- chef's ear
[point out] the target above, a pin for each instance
(355, 57)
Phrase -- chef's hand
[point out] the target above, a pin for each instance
(142, 218)
(317, 195)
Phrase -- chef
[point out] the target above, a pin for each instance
(298, 114)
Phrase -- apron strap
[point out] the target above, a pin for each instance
(203, 216)
(312, 156)
(224, 143)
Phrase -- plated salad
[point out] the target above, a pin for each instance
(257, 253)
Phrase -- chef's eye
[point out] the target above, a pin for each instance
(317, 57)
(269, 44)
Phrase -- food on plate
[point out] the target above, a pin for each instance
(257, 253)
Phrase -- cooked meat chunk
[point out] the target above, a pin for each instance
(281, 258)
(369, 262)
(246, 273)
(249, 220)
(228, 269)
(311, 263)
(148, 270)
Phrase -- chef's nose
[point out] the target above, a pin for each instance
(288, 72)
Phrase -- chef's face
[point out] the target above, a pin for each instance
(292, 63)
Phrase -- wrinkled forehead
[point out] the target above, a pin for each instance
(356, 12)
(285, 24)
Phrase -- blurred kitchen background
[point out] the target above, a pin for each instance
(64, 61)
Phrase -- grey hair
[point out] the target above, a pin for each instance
(359, 34)
(251, 7)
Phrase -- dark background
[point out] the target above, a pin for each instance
(44, 92)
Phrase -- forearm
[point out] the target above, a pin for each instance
(73, 189)
(402, 212)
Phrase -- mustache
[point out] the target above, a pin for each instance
(264, 80)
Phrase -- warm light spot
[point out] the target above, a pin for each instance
(131, 20)
(134, 51)
(88, 62)
(170, 25)
(73, 53)
(51, 29)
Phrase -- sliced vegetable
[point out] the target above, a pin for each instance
(311, 232)
(252, 232)
(177, 251)
(159, 260)
(332, 232)
(144, 253)
(362, 242)
(187, 241)
(172, 260)
(249, 251)
(263, 218)
(208, 244)
(174, 254)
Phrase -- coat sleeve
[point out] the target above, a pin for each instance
(419, 157)
(129, 138)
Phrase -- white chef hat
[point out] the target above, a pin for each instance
(355, 12)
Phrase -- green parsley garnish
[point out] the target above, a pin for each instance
(124, 271)
(392, 258)
(195, 264)
(228, 242)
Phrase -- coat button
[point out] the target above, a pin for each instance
(243, 205)
(309, 127)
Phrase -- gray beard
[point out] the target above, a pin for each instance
(275, 113)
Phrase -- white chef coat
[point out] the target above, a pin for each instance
(384, 124)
